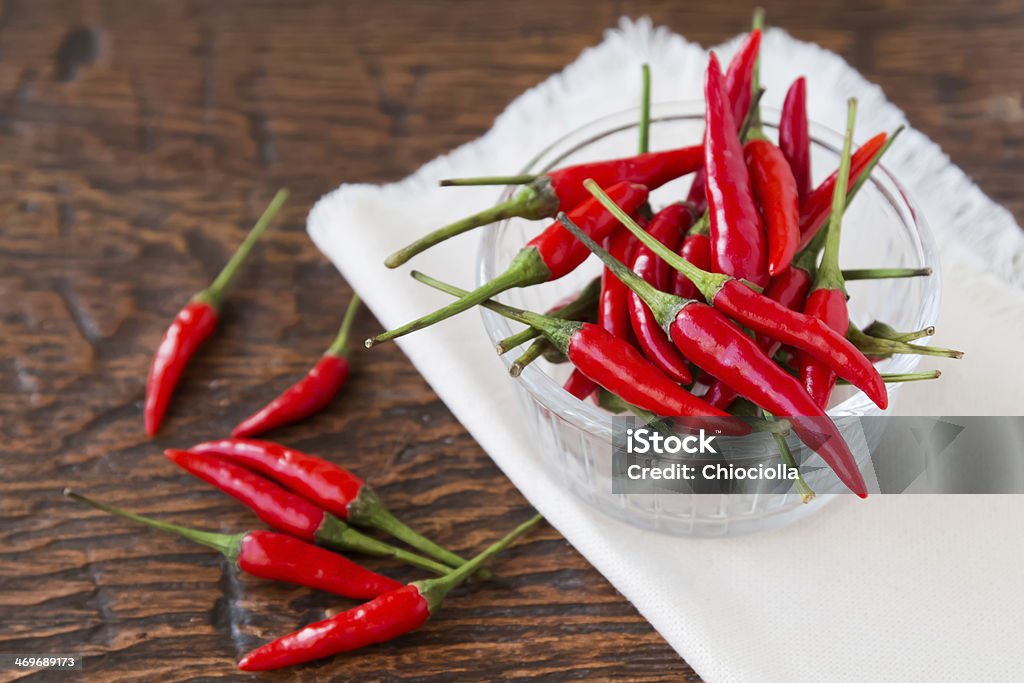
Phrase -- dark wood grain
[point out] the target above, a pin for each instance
(138, 141)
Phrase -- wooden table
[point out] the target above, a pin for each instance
(139, 139)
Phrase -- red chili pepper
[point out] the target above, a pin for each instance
(329, 486)
(287, 512)
(667, 227)
(697, 250)
(276, 557)
(789, 289)
(725, 352)
(815, 208)
(579, 385)
(775, 191)
(794, 136)
(739, 77)
(613, 306)
(193, 325)
(737, 238)
(828, 300)
(548, 256)
(614, 364)
(560, 190)
(755, 311)
(380, 620)
(719, 347)
(311, 393)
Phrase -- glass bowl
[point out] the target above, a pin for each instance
(882, 228)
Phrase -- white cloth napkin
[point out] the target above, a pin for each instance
(892, 588)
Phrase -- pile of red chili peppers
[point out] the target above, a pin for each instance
(726, 303)
(315, 508)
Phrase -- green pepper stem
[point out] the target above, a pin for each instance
(751, 128)
(379, 517)
(884, 331)
(807, 260)
(535, 201)
(883, 273)
(873, 346)
(339, 347)
(516, 340)
(584, 302)
(230, 545)
(805, 491)
(558, 331)
(532, 353)
(435, 590)
(645, 110)
(335, 533)
(702, 226)
(526, 269)
(757, 24)
(829, 274)
(707, 283)
(756, 130)
(897, 378)
(214, 294)
(489, 180)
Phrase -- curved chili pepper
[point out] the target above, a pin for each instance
(775, 191)
(666, 227)
(285, 511)
(794, 136)
(737, 238)
(548, 256)
(756, 311)
(386, 617)
(816, 206)
(614, 364)
(193, 325)
(789, 289)
(739, 77)
(324, 483)
(560, 190)
(277, 557)
(722, 350)
(827, 301)
(719, 347)
(579, 385)
(311, 393)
